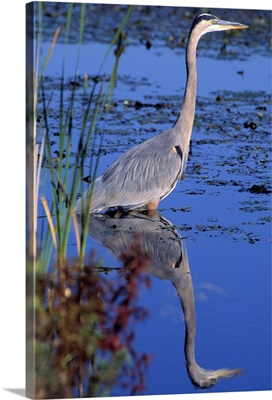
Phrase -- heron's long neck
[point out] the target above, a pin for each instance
(185, 121)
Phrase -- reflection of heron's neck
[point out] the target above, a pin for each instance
(185, 292)
(203, 378)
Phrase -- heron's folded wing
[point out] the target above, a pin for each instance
(143, 174)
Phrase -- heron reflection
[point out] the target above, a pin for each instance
(159, 242)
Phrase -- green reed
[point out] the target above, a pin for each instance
(66, 178)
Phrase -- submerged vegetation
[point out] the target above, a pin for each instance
(85, 333)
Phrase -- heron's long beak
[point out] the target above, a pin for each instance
(224, 25)
(220, 25)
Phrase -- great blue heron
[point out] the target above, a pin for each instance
(142, 177)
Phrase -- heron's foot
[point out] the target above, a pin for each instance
(153, 214)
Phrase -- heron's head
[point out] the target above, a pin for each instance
(205, 23)
(205, 378)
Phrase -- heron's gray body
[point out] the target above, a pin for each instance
(139, 177)
(147, 173)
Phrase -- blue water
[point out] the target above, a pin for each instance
(232, 289)
(164, 69)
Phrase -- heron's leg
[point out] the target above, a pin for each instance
(152, 205)
(153, 214)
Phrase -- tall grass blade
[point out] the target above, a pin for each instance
(77, 235)
(37, 178)
(117, 33)
(69, 117)
(63, 127)
(50, 222)
(50, 51)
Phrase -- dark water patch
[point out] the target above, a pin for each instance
(195, 192)
(161, 26)
(258, 189)
(236, 233)
(252, 206)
